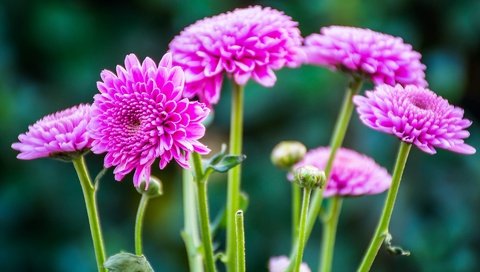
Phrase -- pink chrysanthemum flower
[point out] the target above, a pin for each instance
(140, 115)
(245, 43)
(280, 264)
(415, 115)
(353, 174)
(381, 57)
(60, 135)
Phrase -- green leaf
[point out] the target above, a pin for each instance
(227, 162)
(127, 262)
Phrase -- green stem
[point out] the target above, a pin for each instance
(296, 199)
(297, 259)
(329, 233)
(336, 141)
(240, 241)
(234, 175)
(382, 227)
(91, 205)
(201, 180)
(138, 224)
(190, 231)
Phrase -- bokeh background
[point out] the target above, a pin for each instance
(51, 54)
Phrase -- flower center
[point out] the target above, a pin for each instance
(420, 101)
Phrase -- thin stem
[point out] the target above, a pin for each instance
(296, 199)
(382, 227)
(234, 175)
(329, 233)
(190, 231)
(340, 130)
(142, 206)
(336, 141)
(240, 241)
(301, 230)
(201, 181)
(91, 205)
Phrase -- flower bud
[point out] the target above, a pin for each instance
(127, 262)
(287, 153)
(152, 189)
(309, 177)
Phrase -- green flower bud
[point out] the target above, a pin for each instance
(287, 153)
(309, 177)
(153, 189)
(127, 262)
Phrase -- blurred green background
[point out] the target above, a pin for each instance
(51, 54)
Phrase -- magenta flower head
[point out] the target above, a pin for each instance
(140, 115)
(353, 174)
(61, 135)
(280, 264)
(244, 43)
(415, 115)
(381, 57)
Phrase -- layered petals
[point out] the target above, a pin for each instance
(415, 115)
(140, 115)
(62, 134)
(383, 58)
(246, 44)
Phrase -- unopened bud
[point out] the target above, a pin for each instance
(153, 189)
(309, 177)
(287, 153)
(127, 262)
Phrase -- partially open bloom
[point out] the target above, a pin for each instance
(245, 43)
(353, 174)
(140, 115)
(381, 57)
(415, 115)
(62, 134)
(280, 264)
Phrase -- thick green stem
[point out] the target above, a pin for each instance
(142, 206)
(329, 233)
(296, 200)
(241, 267)
(91, 205)
(190, 231)
(336, 141)
(382, 227)
(298, 255)
(201, 181)
(234, 175)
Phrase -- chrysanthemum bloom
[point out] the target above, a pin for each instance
(415, 115)
(280, 264)
(60, 135)
(245, 43)
(381, 57)
(353, 174)
(140, 115)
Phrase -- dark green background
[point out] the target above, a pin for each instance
(51, 54)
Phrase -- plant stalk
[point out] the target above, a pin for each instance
(382, 227)
(91, 205)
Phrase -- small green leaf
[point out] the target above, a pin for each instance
(227, 163)
(127, 262)
(394, 250)
(216, 158)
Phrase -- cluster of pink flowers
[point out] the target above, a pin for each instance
(353, 174)
(245, 43)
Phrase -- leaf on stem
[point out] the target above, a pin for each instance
(394, 250)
